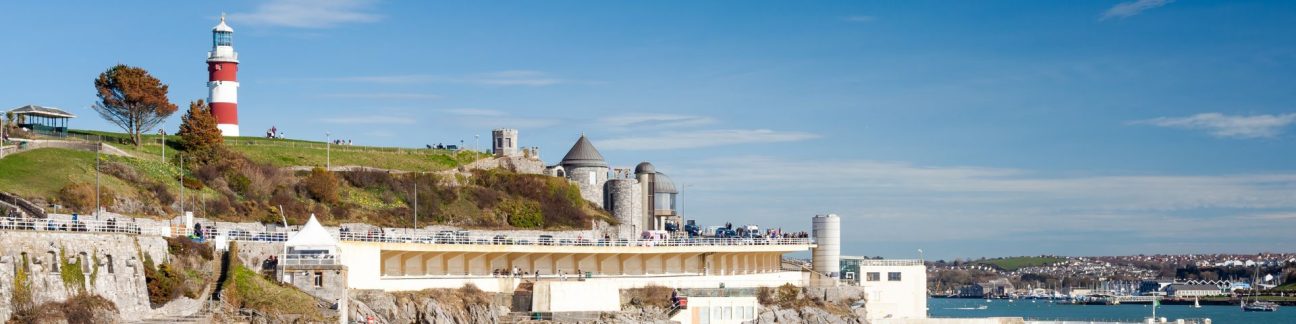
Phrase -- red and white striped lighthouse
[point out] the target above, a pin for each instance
(222, 81)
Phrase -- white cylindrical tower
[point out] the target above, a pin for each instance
(222, 81)
(827, 253)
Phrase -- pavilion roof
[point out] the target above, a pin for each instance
(42, 111)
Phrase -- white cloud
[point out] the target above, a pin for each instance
(369, 119)
(1221, 125)
(309, 13)
(1130, 9)
(499, 78)
(704, 138)
(384, 96)
(488, 118)
(906, 205)
(474, 112)
(655, 120)
(860, 19)
(516, 77)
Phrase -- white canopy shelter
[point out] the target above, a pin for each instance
(313, 238)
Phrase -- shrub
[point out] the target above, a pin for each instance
(368, 179)
(788, 294)
(80, 197)
(522, 214)
(79, 309)
(651, 295)
(187, 247)
(322, 185)
(765, 295)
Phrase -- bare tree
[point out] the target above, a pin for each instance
(132, 99)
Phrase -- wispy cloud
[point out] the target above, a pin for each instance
(499, 78)
(384, 96)
(309, 13)
(655, 121)
(704, 138)
(489, 118)
(859, 18)
(1221, 125)
(1130, 9)
(948, 206)
(474, 112)
(369, 119)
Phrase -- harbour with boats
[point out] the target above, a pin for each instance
(1047, 310)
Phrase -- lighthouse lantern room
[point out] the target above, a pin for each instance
(222, 81)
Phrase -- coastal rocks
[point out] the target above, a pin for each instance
(443, 306)
(805, 315)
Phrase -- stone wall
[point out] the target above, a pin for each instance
(112, 267)
(590, 190)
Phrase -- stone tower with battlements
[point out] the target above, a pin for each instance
(505, 142)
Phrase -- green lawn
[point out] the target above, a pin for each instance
(290, 152)
(1014, 263)
(42, 172)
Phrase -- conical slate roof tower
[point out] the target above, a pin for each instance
(583, 154)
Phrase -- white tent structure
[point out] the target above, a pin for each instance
(312, 239)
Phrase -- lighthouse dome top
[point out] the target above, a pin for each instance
(222, 27)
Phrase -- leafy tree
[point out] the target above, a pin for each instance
(132, 99)
(322, 185)
(198, 133)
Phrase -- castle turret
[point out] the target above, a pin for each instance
(222, 80)
(504, 142)
(586, 166)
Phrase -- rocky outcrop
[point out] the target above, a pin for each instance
(816, 305)
(428, 306)
(807, 315)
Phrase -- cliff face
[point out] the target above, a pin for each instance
(47, 267)
(429, 306)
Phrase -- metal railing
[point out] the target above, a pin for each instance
(388, 236)
(307, 259)
(890, 263)
(68, 225)
(542, 240)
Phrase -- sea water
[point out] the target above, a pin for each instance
(1044, 310)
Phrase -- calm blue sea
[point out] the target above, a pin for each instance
(958, 307)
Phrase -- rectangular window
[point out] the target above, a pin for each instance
(893, 276)
(874, 276)
(319, 279)
(508, 142)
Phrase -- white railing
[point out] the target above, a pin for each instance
(890, 263)
(90, 226)
(307, 259)
(388, 236)
(449, 237)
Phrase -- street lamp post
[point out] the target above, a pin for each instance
(328, 152)
(98, 147)
(163, 133)
(476, 147)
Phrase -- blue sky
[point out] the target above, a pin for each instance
(966, 129)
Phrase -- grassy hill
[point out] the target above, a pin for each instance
(290, 152)
(1014, 263)
(252, 185)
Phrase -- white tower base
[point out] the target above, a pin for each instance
(228, 130)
